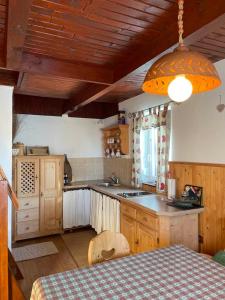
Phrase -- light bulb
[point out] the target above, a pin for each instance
(180, 89)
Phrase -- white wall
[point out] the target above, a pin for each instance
(142, 102)
(198, 128)
(74, 136)
(6, 140)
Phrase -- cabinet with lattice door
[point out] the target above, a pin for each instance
(38, 184)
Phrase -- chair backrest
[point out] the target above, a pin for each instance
(107, 245)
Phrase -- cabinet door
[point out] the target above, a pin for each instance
(27, 177)
(51, 194)
(128, 229)
(147, 238)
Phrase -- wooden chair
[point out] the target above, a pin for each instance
(106, 246)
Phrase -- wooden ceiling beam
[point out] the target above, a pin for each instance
(32, 105)
(16, 32)
(96, 96)
(8, 77)
(96, 110)
(165, 43)
(40, 64)
(99, 80)
(201, 12)
(90, 90)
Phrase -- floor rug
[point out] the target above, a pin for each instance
(34, 251)
(77, 243)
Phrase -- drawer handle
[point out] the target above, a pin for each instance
(27, 216)
(27, 228)
(26, 204)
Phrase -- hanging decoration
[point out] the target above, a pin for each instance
(220, 107)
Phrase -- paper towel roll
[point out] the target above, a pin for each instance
(171, 188)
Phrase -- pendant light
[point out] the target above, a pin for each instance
(182, 72)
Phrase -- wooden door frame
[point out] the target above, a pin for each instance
(4, 293)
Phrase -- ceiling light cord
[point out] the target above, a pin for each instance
(180, 21)
(183, 72)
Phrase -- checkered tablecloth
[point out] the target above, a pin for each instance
(169, 273)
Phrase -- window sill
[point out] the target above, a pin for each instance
(150, 183)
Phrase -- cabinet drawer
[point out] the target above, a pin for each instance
(27, 215)
(27, 227)
(148, 220)
(27, 203)
(129, 211)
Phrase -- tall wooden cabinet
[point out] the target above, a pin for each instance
(38, 182)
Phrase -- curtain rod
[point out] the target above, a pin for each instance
(130, 115)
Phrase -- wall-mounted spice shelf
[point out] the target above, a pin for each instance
(116, 140)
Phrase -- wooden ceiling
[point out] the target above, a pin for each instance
(48, 86)
(83, 57)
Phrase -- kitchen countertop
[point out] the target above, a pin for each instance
(82, 184)
(154, 203)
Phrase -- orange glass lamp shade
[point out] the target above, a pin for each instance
(182, 62)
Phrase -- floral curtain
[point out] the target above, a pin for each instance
(157, 118)
(163, 149)
(137, 122)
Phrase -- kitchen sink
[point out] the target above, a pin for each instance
(133, 194)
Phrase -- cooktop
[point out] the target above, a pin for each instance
(133, 194)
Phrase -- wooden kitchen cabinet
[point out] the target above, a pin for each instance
(50, 194)
(27, 177)
(128, 228)
(139, 229)
(38, 182)
(147, 239)
(147, 231)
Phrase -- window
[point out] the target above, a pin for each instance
(148, 144)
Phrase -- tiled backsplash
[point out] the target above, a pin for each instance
(94, 168)
(87, 168)
(121, 167)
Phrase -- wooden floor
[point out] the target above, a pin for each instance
(77, 243)
(42, 266)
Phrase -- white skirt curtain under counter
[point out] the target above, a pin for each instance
(76, 208)
(96, 211)
(110, 214)
(105, 213)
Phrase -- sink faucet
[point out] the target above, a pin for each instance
(114, 179)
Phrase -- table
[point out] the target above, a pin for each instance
(167, 273)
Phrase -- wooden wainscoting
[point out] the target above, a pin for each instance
(212, 221)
